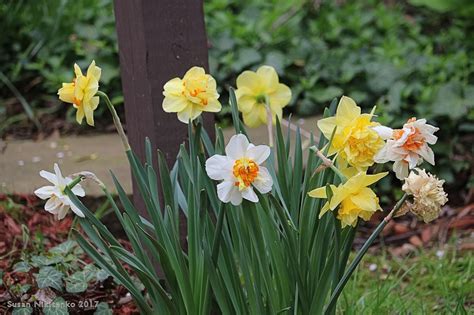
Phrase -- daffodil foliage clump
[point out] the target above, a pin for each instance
(267, 231)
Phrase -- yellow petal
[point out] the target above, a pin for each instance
(93, 71)
(251, 81)
(366, 200)
(368, 180)
(89, 115)
(174, 104)
(269, 78)
(194, 71)
(79, 115)
(66, 93)
(318, 193)
(246, 103)
(324, 209)
(77, 71)
(347, 110)
(189, 113)
(327, 125)
(281, 97)
(252, 120)
(173, 87)
(339, 194)
(212, 106)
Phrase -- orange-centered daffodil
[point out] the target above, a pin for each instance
(190, 96)
(354, 198)
(81, 92)
(255, 90)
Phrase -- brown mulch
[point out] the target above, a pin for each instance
(26, 210)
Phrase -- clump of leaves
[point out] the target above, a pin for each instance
(38, 281)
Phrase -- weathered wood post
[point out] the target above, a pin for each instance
(158, 40)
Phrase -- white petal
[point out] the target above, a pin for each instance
(237, 147)
(52, 204)
(412, 160)
(236, 197)
(78, 190)
(76, 210)
(258, 153)
(264, 181)
(49, 176)
(224, 191)
(249, 194)
(384, 132)
(383, 155)
(59, 176)
(426, 152)
(61, 214)
(401, 169)
(219, 167)
(44, 192)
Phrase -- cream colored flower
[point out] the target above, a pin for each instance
(240, 171)
(254, 89)
(190, 96)
(58, 202)
(407, 147)
(428, 194)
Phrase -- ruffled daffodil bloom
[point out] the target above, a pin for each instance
(81, 92)
(255, 89)
(58, 202)
(190, 96)
(354, 198)
(240, 171)
(407, 147)
(354, 140)
(428, 194)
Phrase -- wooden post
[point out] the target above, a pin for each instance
(158, 40)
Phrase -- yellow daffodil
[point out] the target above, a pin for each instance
(190, 96)
(354, 198)
(254, 89)
(81, 92)
(355, 139)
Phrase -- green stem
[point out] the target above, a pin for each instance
(218, 234)
(328, 163)
(116, 119)
(269, 121)
(360, 255)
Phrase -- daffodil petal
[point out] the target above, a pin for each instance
(249, 194)
(237, 147)
(264, 182)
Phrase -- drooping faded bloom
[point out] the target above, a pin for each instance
(240, 171)
(407, 147)
(428, 194)
(58, 202)
(354, 140)
(190, 96)
(81, 92)
(254, 89)
(354, 198)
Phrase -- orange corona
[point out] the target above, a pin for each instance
(245, 171)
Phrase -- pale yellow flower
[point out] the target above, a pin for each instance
(190, 96)
(254, 89)
(428, 194)
(354, 198)
(355, 140)
(81, 92)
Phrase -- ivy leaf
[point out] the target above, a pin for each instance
(63, 248)
(103, 309)
(22, 311)
(49, 277)
(39, 261)
(57, 307)
(77, 282)
(101, 275)
(21, 266)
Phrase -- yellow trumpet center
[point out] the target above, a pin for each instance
(245, 171)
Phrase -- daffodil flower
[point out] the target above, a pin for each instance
(240, 171)
(81, 92)
(190, 96)
(355, 140)
(257, 89)
(407, 147)
(354, 198)
(58, 202)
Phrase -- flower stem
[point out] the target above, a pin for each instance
(218, 234)
(116, 119)
(361, 253)
(269, 122)
(328, 163)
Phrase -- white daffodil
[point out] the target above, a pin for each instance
(240, 170)
(407, 147)
(58, 202)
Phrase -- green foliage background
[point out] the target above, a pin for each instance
(412, 58)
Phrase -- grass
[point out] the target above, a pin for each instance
(427, 282)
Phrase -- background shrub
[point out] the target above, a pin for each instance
(410, 58)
